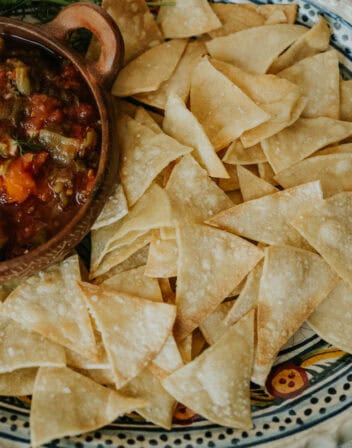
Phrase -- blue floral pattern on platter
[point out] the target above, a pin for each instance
(310, 385)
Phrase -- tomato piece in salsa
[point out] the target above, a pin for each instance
(49, 145)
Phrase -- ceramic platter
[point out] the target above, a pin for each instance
(310, 404)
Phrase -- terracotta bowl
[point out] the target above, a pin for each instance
(99, 77)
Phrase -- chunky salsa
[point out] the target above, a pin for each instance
(49, 145)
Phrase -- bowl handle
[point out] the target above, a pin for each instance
(98, 21)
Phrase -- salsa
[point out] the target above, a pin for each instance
(49, 145)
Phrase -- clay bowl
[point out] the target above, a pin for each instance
(99, 77)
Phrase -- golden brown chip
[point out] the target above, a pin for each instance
(65, 403)
(115, 208)
(312, 42)
(162, 258)
(346, 100)
(319, 80)
(335, 149)
(240, 17)
(104, 377)
(228, 403)
(235, 197)
(222, 108)
(211, 264)
(149, 70)
(293, 283)
(302, 139)
(134, 330)
(267, 219)
(214, 326)
(232, 183)
(167, 361)
(252, 186)
(144, 117)
(267, 173)
(187, 18)
(255, 49)
(198, 343)
(17, 383)
(144, 155)
(236, 154)
(185, 348)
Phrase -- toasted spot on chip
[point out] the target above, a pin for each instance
(293, 284)
(252, 186)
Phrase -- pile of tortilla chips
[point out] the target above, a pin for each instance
(230, 226)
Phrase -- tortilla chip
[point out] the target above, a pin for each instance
(167, 233)
(167, 361)
(185, 348)
(346, 100)
(235, 197)
(211, 264)
(51, 304)
(149, 70)
(143, 117)
(253, 187)
(134, 282)
(162, 259)
(198, 343)
(237, 154)
(17, 383)
(134, 330)
(267, 219)
(137, 259)
(115, 208)
(336, 149)
(280, 98)
(240, 17)
(248, 299)
(302, 139)
(327, 227)
(332, 319)
(142, 218)
(182, 125)
(312, 42)
(137, 25)
(255, 49)
(333, 171)
(144, 155)
(213, 327)
(223, 109)
(104, 377)
(319, 80)
(197, 199)
(180, 82)
(187, 18)
(232, 183)
(228, 403)
(118, 256)
(293, 283)
(239, 287)
(266, 173)
(161, 405)
(21, 348)
(65, 403)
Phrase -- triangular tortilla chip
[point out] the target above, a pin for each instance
(187, 18)
(149, 70)
(327, 227)
(237, 154)
(134, 330)
(181, 124)
(267, 173)
(185, 348)
(144, 155)
(222, 108)
(142, 218)
(255, 49)
(232, 183)
(65, 403)
(267, 219)
(134, 282)
(280, 98)
(115, 208)
(213, 327)
(162, 258)
(333, 171)
(312, 42)
(161, 405)
(302, 139)
(198, 343)
(51, 304)
(21, 348)
(180, 81)
(293, 283)
(227, 365)
(240, 17)
(197, 199)
(338, 149)
(319, 80)
(248, 298)
(137, 25)
(143, 117)
(235, 196)
(253, 187)
(104, 377)
(18, 383)
(211, 263)
(332, 319)
(167, 361)
(346, 100)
